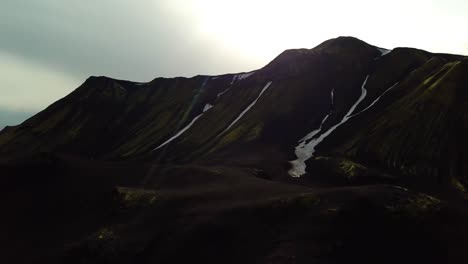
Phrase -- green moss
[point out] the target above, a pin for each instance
(156, 128)
(415, 206)
(214, 171)
(105, 234)
(137, 198)
(428, 80)
(255, 132)
(302, 201)
(457, 184)
(419, 117)
(343, 167)
(423, 202)
(449, 67)
(350, 169)
(232, 136)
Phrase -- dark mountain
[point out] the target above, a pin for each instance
(342, 153)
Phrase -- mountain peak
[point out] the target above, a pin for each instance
(343, 44)
(204, 165)
(296, 61)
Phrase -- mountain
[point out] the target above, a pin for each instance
(343, 152)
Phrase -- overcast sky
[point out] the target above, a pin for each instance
(49, 47)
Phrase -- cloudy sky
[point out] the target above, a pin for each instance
(49, 47)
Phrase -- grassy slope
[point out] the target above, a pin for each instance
(417, 129)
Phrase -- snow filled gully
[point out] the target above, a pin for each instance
(304, 151)
(206, 108)
(376, 100)
(236, 77)
(383, 52)
(183, 130)
(247, 108)
(241, 76)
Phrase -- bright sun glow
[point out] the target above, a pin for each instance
(263, 28)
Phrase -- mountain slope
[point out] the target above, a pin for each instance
(417, 130)
(133, 118)
(343, 152)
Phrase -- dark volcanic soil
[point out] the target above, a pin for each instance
(65, 210)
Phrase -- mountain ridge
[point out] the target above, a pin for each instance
(126, 172)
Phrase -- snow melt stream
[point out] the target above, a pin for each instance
(376, 100)
(304, 151)
(206, 108)
(248, 107)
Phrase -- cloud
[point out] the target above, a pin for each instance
(29, 87)
(150, 38)
(49, 47)
(122, 39)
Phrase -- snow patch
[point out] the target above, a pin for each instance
(384, 52)
(248, 107)
(305, 151)
(245, 75)
(241, 76)
(221, 93)
(234, 78)
(302, 152)
(401, 188)
(207, 107)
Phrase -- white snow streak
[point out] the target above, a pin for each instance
(234, 78)
(303, 140)
(384, 51)
(180, 132)
(245, 75)
(242, 76)
(248, 107)
(207, 107)
(221, 93)
(376, 100)
(305, 151)
(302, 152)
(401, 188)
(313, 133)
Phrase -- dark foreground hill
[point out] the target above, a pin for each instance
(344, 153)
